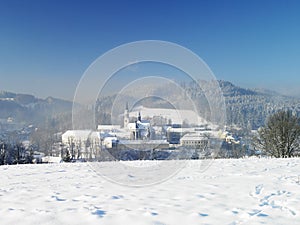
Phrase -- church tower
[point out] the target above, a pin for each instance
(126, 116)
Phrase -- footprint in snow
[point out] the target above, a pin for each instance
(58, 198)
(99, 213)
(258, 189)
(262, 215)
(235, 211)
(117, 197)
(254, 212)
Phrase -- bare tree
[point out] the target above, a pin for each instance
(280, 136)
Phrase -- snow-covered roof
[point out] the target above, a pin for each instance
(108, 127)
(139, 125)
(80, 135)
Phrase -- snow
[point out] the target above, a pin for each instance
(229, 191)
(79, 135)
(178, 116)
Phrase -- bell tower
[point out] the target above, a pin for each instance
(126, 116)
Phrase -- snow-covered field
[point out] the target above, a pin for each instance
(241, 191)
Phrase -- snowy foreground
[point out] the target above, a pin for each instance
(243, 191)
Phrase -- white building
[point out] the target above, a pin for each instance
(82, 143)
(108, 128)
(80, 136)
(110, 142)
(194, 141)
(140, 129)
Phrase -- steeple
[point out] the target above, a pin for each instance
(126, 116)
(139, 117)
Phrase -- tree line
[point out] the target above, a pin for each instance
(279, 137)
(16, 153)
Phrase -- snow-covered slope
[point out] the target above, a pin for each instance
(243, 191)
(177, 116)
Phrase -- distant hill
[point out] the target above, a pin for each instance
(28, 109)
(245, 108)
(249, 108)
(230, 90)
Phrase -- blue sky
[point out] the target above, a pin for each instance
(45, 46)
